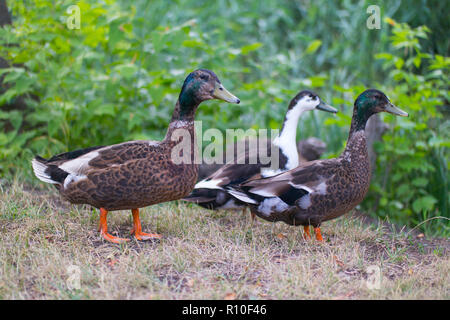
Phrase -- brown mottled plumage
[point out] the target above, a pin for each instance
(212, 192)
(135, 174)
(320, 190)
(132, 175)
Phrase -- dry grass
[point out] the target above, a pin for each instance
(205, 255)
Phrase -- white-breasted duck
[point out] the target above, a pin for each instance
(212, 192)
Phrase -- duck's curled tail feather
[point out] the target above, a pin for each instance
(47, 172)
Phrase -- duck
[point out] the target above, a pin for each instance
(212, 193)
(135, 174)
(320, 190)
(308, 149)
(311, 149)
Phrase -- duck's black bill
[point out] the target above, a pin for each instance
(394, 110)
(325, 107)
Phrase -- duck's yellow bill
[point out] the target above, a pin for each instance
(394, 110)
(223, 94)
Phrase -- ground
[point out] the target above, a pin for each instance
(46, 245)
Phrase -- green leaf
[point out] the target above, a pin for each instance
(20, 140)
(14, 74)
(133, 121)
(317, 81)
(3, 139)
(417, 61)
(403, 189)
(251, 47)
(126, 70)
(193, 43)
(8, 95)
(116, 32)
(420, 182)
(399, 63)
(53, 126)
(157, 94)
(105, 109)
(157, 40)
(313, 46)
(15, 117)
(425, 203)
(439, 142)
(385, 56)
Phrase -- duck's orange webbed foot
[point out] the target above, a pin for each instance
(103, 228)
(113, 239)
(318, 234)
(306, 234)
(137, 228)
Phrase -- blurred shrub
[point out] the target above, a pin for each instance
(411, 178)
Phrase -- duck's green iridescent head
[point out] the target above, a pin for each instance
(201, 85)
(371, 102)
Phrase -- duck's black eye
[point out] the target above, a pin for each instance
(204, 77)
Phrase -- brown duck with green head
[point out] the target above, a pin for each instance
(135, 174)
(320, 190)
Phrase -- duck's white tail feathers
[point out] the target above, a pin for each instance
(241, 196)
(209, 184)
(41, 171)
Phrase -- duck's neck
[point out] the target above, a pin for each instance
(181, 135)
(183, 116)
(356, 148)
(286, 141)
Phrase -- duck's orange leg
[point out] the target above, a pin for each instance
(103, 228)
(137, 228)
(306, 234)
(318, 234)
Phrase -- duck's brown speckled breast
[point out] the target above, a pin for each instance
(345, 189)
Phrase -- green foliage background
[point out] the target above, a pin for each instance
(117, 78)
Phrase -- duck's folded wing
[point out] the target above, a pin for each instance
(121, 153)
(293, 186)
(229, 174)
(63, 157)
(243, 167)
(76, 164)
